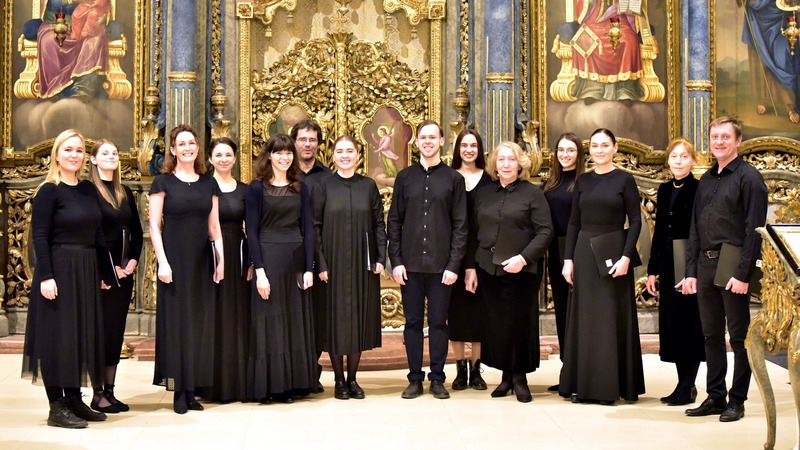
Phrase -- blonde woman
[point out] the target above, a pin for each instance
(64, 333)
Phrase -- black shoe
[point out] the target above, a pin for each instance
(319, 389)
(733, 412)
(109, 393)
(413, 390)
(553, 388)
(63, 417)
(709, 407)
(438, 390)
(682, 398)
(669, 399)
(475, 379)
(523, 394)
(502, 389)
(179, 403)
(76, 405)
(194, 405)
(110, 409)
(460, 381)
(283, 398)
(340, 391)
(355, 390)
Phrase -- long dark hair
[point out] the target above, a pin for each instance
(480, 162)
(170, 160)
(557, 172)
(263, 165)
(117, 194)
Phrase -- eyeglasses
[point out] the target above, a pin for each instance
(567, 150)
(304, 140)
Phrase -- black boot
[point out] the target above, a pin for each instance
(475, 380)
(62, 416)
(80, 409)
(460, 382)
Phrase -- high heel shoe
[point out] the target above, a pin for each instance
(523, 394)
(502, 389)
(683, 398)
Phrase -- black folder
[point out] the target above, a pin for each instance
(107, 268)
(679, 258)
(509, 243)
(244, 258)
(370, 251)
(125, 250)
(729, 258)
(212, 250)
(299, 264)
(607, 249)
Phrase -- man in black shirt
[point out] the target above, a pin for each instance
(427, 230)
(307, 135)
(731, 202)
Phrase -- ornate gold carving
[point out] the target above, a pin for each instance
(699, 85)
(415, 10)
(435, 100)
(531, 138)
(244, 11)
(265, 10)
(150, 285)
(774, 323)
(218, 98)
(437, 9)
(19, 273)
(712, 52)
(500, 78)
(28, 171)
(5, 85)
(190, 77)
(392, 309)
(129, 173)
(461, 100)
(523, 57)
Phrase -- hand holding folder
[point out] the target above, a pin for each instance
(607, 249)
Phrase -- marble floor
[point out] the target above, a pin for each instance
(469, 420)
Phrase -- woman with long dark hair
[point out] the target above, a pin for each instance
(280, 231)
(559, 190)
(64, 331)
(232, 295)
(351, 249)
(467, 310)
(603, 355)
(184, 205)
(123, 234)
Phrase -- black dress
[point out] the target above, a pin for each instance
(680, 333)
(603, 355)
(280, 230)
(64, 336)
(560, 200)
(117, 300)
(185, 307)
(232, 303)
(346, 210)
(467, 310)
(514, 217)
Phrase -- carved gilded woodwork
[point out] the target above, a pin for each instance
(19, 272)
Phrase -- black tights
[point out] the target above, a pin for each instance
(55, 393)
(687, 373)
(337, 362)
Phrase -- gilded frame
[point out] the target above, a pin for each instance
(264, 10)
(540, 49)
(136, 44)
(367, 147)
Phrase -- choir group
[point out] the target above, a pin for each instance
(256, 281)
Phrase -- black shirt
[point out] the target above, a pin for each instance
(317, 172)
(519, 210)
(729, 205)
(427, 226)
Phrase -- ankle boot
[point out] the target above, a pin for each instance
(475, 380)
(460, 382)
(61, 416)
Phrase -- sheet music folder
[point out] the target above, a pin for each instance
(607, 249)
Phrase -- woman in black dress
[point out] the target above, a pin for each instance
(123, 236)
(64, 331)
(351, 248)
(559, 191)
(183, 217)
(680, 333)
(280, 231)
(603, 355)
(232, 304)
(512, 232)
(466, 314)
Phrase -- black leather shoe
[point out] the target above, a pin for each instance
(733, 412)
(709, 407)
(475, 379)
(460, 381)
(438, 390)
(194, 405)
(682, 398)
(63, 417)
(340, 391)
(413, 390)
(355, 390)
(110, 409)
(553, 388)
(76, 405)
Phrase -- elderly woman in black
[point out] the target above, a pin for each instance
(513, 230)
(680, 333)
(123, 234)
(64, 331)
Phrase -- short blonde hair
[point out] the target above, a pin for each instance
(686, 146)
(522, 159)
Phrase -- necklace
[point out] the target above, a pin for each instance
(677, 186)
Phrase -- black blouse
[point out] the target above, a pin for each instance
(115, 220)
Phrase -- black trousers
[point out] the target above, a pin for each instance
(418, 287)
(716, 305)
